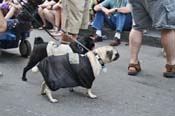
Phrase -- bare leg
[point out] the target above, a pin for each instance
(57, 14)
(168, 42)
(41, 14)
(10, 13)
(49, 16)
(90, 94)
(135, 40)
(3, 24)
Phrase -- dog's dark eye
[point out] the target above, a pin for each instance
(109, 54)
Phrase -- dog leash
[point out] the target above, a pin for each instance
(79, 43)
(96, 55)
(23, 3)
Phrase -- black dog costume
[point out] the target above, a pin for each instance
(39, 51)
(59, 72)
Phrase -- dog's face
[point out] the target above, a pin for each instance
(107, 53)
(87, 42)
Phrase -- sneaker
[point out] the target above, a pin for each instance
(115, 42)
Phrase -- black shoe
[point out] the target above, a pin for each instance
(97, 38)
(115, 42)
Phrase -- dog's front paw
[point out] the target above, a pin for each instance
(71, 89)
(93, 96)
(90, 94)
(53, 100)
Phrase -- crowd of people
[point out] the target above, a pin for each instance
(69, 16)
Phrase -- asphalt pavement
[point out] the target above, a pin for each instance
(147, 94)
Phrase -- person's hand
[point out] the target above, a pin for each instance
(107, 12)
(49, 7)
(56, 6)
(42, 6)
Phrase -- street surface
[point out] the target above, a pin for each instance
(148, 94)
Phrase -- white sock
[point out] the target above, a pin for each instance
(117, 35)
(98, 32)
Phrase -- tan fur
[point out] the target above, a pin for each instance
(101, 51)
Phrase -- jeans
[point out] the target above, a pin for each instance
(118, 21)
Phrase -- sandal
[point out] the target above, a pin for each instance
(136, 70)
(58, 33)
(170, 71)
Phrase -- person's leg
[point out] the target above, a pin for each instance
(3, 27)
(135, 40)
(57, 15)
(3, 24)
(73, 17)
(123, 23)
(98, 22)
(50, 17)
(41, 14)
(10, 13)
(128, 22)
(119, 21)
(135, 37)
(168, 42)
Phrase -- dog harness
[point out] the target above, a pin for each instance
(101, 62)
(64, 71)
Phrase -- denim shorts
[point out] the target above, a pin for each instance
(159, 14)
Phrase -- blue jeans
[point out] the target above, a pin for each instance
(118, 21)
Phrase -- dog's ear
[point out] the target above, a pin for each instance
(109, 54)
(90, 43)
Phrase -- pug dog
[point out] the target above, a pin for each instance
(72, 70)
(43, 49)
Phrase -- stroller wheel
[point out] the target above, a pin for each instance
(25, 48)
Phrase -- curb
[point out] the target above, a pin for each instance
(150, 38)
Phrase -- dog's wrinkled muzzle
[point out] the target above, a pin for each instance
(116, 56)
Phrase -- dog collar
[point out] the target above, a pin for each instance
(100, 61)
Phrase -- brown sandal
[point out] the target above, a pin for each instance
(136, 67)
(170, 71)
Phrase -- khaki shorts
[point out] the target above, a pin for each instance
(159, 14)
(76, 15)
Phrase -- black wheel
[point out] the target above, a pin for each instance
(25, 48)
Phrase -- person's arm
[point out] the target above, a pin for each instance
(126, 9)
(3, 24)
(99, 7)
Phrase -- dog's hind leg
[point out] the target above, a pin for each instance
(90, 94)
(28, 67)
(49, 94)
(71, 89)
(43, 88)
